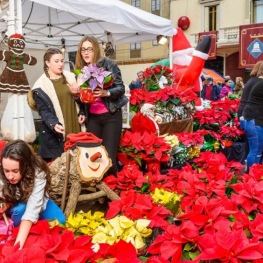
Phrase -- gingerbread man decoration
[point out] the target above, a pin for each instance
(13, 78)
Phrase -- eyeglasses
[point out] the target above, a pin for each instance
(88, 49)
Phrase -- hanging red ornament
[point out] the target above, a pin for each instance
(183, 22)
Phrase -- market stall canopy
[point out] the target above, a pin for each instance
(46, 22)
(205, 71)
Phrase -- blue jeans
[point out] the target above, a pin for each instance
(51, 212)
(254, 135)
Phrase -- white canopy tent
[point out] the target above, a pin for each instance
(45, 23)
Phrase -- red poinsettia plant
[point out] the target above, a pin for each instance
(142, 147)
(230, 133)
(157, 77)
(169, 102)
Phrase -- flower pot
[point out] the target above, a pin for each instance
(86, 95)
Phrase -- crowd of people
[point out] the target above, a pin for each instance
(25, 176)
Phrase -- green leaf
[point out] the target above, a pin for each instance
(193, 255)
(175, 101)
(145, 187)
(143, 259)
(77, 72)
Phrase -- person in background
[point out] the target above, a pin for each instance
(232, 83)
(210, 91)
(59, 113)
(244, 98)
(104, 116)
(138, 83)
(252, 121)
(247, 87)
(226, 89)
(25, 181)
(239, 87)
(219, 85)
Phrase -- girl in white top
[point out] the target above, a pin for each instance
(25, 180)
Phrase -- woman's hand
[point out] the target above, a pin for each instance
(59, 128)
(99, 92)
(82, 119)
(74, 88)
(23, 232)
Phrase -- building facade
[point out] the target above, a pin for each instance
(222, 17)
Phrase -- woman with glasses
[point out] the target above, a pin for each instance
(226, 89)
(52, 95)
(104, 116)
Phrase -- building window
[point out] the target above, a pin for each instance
(135, 50)
(136, 3)
(258, 11)
(212, 17)
(156, 7)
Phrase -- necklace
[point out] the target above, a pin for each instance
(56, 78)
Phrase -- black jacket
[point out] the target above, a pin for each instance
(51, 145)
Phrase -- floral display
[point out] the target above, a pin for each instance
(90, 77)
(169, 103)
(206, 210)
(157, 77)
(210, 213)
(142, 147)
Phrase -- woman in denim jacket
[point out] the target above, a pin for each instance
(253, 120)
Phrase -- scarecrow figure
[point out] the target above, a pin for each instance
(14, 81)
(77, 174)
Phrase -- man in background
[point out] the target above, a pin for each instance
(210, 91)
(138, 83)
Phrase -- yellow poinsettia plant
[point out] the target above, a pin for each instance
(121, 227)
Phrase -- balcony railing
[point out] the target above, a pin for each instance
(226, 36)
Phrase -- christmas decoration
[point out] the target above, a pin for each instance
(13, 78)
(183, 22)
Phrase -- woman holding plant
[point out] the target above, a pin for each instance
(104, 115)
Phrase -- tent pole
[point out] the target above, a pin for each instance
(171, 51)
(11, 18)
(20, 132)
(18, 17)
(11, 30)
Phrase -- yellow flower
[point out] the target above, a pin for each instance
(193, 152)
(163, 197)
(171, 139)
(170, 200)
(85, 223)
(123, 228)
